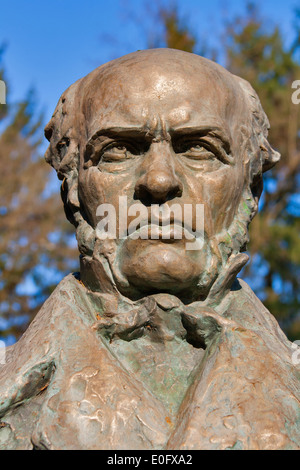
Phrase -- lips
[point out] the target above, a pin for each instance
(160, 222)
(169, 233)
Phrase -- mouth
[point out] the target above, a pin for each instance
(161, 223)
(169, 233)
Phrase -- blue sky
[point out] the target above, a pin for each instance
(50, 44)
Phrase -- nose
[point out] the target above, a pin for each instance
(159, 182)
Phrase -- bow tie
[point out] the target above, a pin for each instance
(160, 316)
(163, 316)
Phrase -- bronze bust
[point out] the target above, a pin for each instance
(153, 345)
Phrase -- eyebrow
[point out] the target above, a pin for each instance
(210, 131)
(122, 131)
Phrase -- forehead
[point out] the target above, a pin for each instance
(171, 93)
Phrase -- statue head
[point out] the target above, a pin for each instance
(159, 128)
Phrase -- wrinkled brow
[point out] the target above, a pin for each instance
(141, 132)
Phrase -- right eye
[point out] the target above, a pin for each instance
(114, 153)
(117, 152)
(196, 150)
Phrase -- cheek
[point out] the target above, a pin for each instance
(220, 192)
(97, 188)
(93, 191)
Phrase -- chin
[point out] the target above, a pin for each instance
(159, 267)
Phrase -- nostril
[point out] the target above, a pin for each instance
(159, 192)
(175, 192)
(141, 193)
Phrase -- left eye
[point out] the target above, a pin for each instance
(195, 150)
(119, 148)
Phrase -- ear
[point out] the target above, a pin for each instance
(63, 153)
(269, 156)
(260, 127)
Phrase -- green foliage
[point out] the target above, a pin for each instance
(255, 50)
(257, 53)
(177, 34)
(35, 238)
(29, 218)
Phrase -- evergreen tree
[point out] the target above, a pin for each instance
(255, 51)
(34, 237)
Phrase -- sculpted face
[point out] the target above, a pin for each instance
(163, 133)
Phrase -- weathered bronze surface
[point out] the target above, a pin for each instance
(151, 345)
